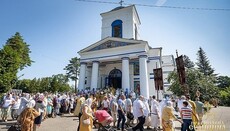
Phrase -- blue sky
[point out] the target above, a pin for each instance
(57, 29)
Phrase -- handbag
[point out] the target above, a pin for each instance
(86, 121)
(130, 115)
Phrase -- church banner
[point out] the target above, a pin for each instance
(181, 69)
(158, 78)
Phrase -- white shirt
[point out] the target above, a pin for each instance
(128, 103)
(139, 106)
(7, 102)
(16, 104)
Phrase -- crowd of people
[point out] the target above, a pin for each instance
(128, 109)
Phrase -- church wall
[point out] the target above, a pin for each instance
(168, 66)
(135, 25)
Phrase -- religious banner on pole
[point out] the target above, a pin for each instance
(181, 74)
(158, 78)
(181, 69)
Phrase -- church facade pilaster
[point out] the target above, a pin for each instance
(94, 78)
(81, 84)
(144, 86)
(125, 73)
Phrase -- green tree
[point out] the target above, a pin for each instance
(203, 63)
(187, 62)
(24, 85)
(223, 82)
(22, 50)
(14, 56)
(225, 96)
(59, 83)
(72, 70)
(55, 85)
(195, 80)
(45, 84)
(33, 86)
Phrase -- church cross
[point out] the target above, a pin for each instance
(121, 2)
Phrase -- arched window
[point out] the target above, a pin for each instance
(117, 28)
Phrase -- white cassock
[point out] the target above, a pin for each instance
(155, 122)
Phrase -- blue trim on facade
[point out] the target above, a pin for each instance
(142, 56)
(154, 58)
(151, 77)
(114, 55)
(95, 61)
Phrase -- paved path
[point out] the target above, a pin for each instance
(218, 119)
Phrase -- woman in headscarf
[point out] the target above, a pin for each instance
(168, 117)
(86, 119)
(49, 106)
(40, 107)
(24, 100)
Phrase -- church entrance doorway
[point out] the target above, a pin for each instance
(115, 79)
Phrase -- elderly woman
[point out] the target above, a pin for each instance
(86, 120)
(24, 100)
(168, 117)
(49, 106)
(39, 106)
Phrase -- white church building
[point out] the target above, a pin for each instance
(120, 60)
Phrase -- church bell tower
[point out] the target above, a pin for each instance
(122, 22)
